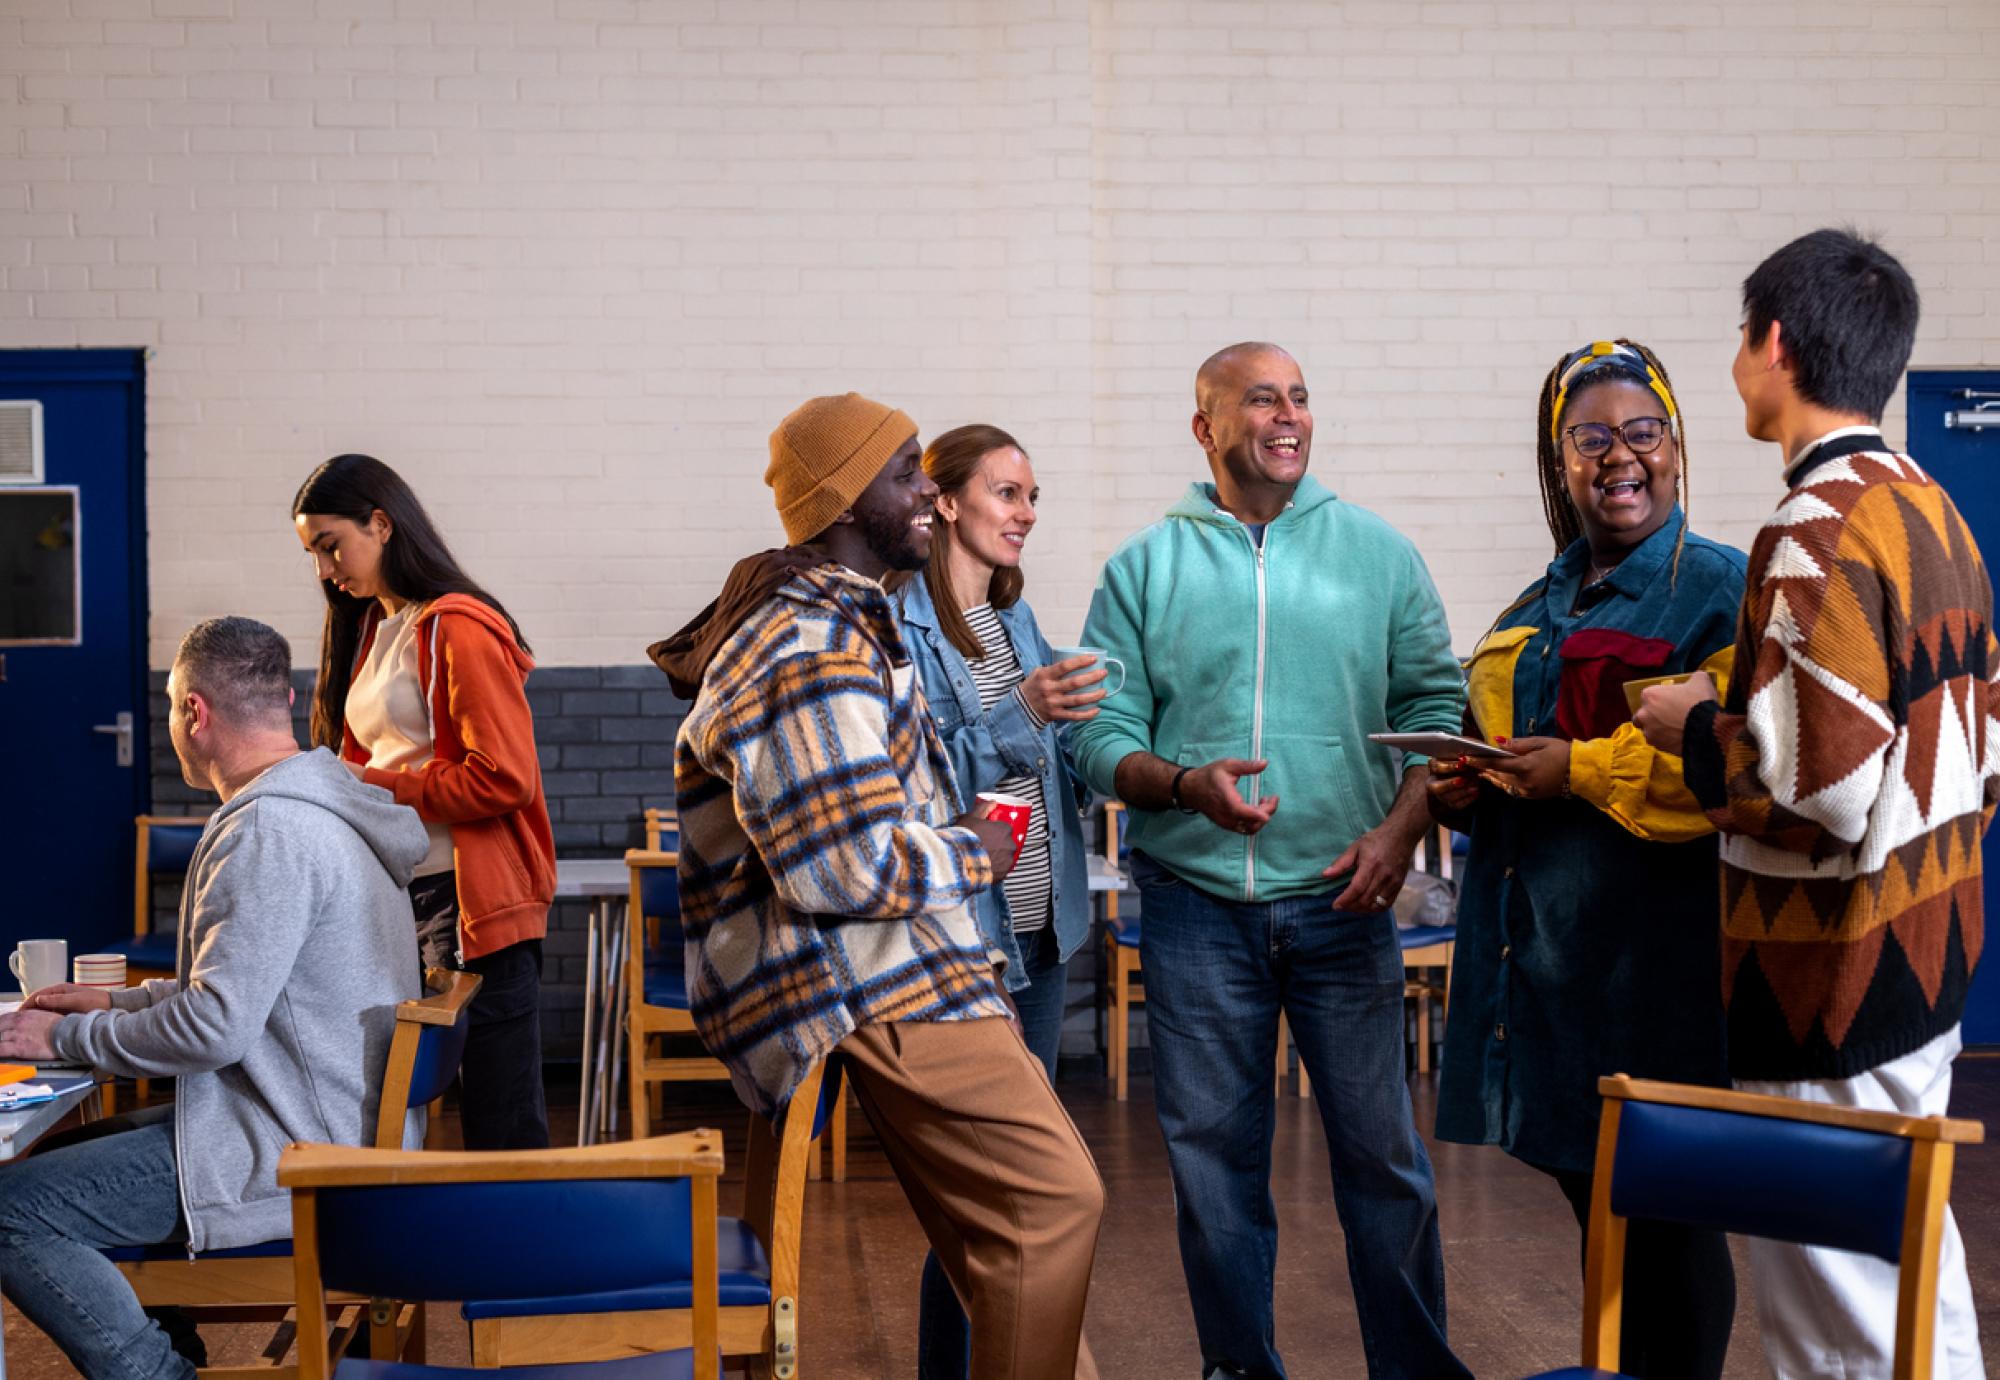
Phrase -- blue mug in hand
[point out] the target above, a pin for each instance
(1096, 654)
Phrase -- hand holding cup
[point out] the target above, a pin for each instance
(996, 836)
(1065, 690)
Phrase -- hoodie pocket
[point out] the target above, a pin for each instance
(1327, 798)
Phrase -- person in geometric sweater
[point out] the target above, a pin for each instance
(1852, 770)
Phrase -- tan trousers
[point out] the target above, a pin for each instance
(998, 1176)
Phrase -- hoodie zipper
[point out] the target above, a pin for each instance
(1256, 718)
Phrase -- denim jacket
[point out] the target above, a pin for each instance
(987, 748)
(1589, 931)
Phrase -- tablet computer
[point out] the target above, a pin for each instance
(1439, 744)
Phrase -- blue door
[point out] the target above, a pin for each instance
(1951, 440)
(72, 645)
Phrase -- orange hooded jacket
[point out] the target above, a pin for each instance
(484, 778)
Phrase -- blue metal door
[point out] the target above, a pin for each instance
(73, 650)
(1951, 440)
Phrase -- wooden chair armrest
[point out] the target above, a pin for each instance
(440, 1007)
(1951, 1129)
(687, 1153)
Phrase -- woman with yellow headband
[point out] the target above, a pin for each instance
(1588, 933)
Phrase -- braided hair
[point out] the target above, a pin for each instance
(1565, 524)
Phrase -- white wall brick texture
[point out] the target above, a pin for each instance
(566, 262)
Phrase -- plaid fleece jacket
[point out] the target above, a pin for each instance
(1852, 770)
(822, 888)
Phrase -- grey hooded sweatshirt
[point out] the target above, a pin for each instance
(296, 943)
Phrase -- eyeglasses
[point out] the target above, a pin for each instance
(1641, 435)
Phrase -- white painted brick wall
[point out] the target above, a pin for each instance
(565, 262)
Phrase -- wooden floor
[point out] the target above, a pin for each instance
(1510, 1254)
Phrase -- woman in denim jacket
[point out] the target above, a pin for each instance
(1000, 699)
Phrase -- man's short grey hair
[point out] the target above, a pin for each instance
(241, 667)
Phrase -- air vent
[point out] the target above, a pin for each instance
(20, 442)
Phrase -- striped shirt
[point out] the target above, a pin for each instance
(1029, 887)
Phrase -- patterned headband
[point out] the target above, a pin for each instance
(1597, 355)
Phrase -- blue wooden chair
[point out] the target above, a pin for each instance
(503, 1225)
(248, 1283)
(1121, 955)
(165, 847)
(758, 1260)
(656, 980)
(1873, 1182)
(1425, 948)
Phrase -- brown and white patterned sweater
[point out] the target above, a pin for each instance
(1852, 769)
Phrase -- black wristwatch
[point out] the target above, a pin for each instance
(1174, 792)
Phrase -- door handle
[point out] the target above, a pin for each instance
(123, 728)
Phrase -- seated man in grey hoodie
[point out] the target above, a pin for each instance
(296, 944)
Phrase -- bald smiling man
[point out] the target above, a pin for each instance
(1267, 628)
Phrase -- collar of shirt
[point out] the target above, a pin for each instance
(1812, 448)
(1630, 577)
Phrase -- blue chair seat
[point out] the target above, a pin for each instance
(155, 951)
(1125, 931)
(666, 985)
(1423, 936)
(174, 1250)
(660, 1365)
(743, 1270)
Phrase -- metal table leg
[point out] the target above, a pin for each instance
(584, 1089)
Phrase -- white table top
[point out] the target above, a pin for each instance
(21, 1129)
(592, 877)
(1105, 877)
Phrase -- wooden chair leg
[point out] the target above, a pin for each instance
(839, 1133)
(1121, 1025)
(641, 1103)
(1284, 1055)
(1423, 1029)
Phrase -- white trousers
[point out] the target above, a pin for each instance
(1833, 1313)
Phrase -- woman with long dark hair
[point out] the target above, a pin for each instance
(1002, 704)
(1588, 931)
(422, 691)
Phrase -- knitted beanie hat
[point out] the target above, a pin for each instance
(825, 453)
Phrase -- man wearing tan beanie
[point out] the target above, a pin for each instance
(827, 892)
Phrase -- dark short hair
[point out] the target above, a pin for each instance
(241, 667)
(1849, 313)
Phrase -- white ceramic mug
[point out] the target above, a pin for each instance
(39, 963)
(1096, 654)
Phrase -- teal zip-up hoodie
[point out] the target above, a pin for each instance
(1294, 653)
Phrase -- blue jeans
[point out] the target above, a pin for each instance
(943, 1335)
(57, 1210)
(1218, 973)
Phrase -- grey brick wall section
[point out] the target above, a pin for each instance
(605, 736)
